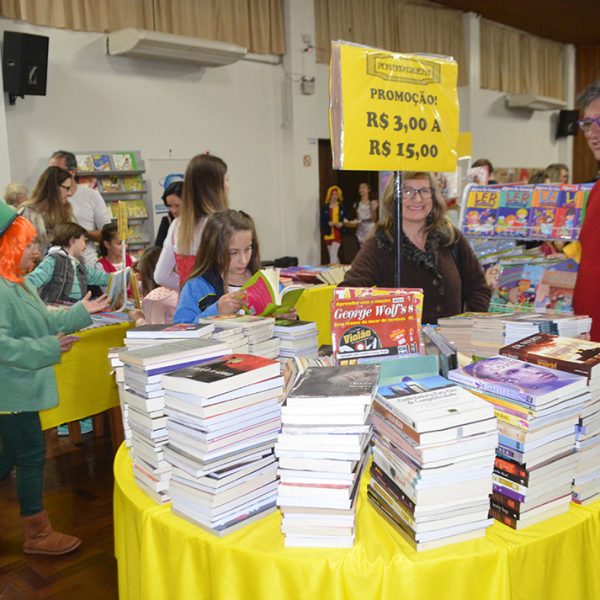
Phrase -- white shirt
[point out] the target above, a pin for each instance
(89, 211)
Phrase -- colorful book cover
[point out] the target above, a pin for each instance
(133, 183)
(377, 325)
(84, 162)
(481, 210)
(555, 290)
(513, 211)
(556, 352)
(136, 209)
(546, 196)
(134, 234)
(517, 283)
(541, 222)
(110, 184)
(518, 380)
(125, 161)
(262, 296)
(102, 162)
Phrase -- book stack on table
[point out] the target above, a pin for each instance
(156, 335)
(222, 421)
(257, 330)
(483, 334)
(143, 398)
(432, 461)
(118, 369)
(581, 357)
(537, 409)
(322, 451)
(297, 339)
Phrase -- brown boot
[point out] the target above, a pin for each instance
(40, 538)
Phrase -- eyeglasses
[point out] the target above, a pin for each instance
(424, 192)
(65, 187)
(586, 124)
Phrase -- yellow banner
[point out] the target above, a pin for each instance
(122, 224)
(392, 112)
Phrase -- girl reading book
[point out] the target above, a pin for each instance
(227, 257)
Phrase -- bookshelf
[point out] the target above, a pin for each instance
(119, 175)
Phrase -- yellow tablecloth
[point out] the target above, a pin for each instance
(313, 305)
(161, 556)
(85, 384)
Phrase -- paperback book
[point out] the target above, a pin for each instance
(263, 297)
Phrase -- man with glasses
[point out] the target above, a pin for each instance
(89, 209)
(585, 301)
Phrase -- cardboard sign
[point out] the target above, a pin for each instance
(392, 112)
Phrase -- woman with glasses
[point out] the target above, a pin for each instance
(49, 204)
(435, 255)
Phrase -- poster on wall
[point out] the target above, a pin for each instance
(160, 174)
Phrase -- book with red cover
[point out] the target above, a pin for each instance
(232, 372)
(382, 323)
(565, 354)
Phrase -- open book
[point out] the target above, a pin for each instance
(263, 297)
(114, 289)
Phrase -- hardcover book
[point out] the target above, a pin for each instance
(101, 162)
(84, 162)
(125, 161)
(110, 184)
(133, 183)
(531, 384)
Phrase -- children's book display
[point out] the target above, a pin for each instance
(375, 322)
(118, 175)
(540, 212)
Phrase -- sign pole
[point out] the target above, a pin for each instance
(397, 229)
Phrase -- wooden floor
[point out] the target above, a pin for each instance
(78, 496)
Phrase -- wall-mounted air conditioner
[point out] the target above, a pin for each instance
(533, 102)
(168, 46)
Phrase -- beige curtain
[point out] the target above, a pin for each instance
(397, 26)
(516, 62)
(254, 24)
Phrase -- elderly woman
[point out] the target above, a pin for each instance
(435, 255)
(31, 342)
(15, 194)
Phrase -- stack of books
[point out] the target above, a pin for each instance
(581, 357)
(154, 335)
(432, 461)
(483, 334)
(258, 332)
(322, 451)
(296, 338)
(143, 401)
(118, 370)
(222, 422)
(537, 410)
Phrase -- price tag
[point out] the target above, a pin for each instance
(392, 112)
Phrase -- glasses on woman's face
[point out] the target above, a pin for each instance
(67, 188)
(586, 124)
(424, 192)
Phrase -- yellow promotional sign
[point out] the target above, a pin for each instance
(392, 112)
(122, 224)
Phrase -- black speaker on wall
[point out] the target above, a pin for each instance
(24, 64)
(567, 123)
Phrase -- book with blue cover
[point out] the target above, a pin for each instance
(510, 378)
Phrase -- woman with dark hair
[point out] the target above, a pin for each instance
(172, 200)
(49, 204)
(205, 191)
(31, 342)
(435, 255)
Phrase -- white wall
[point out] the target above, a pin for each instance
(252, 115)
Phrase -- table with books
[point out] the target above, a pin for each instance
(85, 383)
(160, 555)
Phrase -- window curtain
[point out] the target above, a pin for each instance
(253, 24)
(516, 62)
(393, 25)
